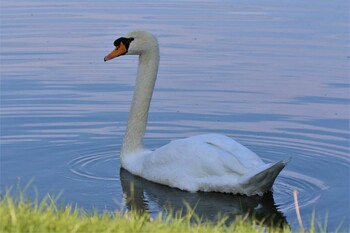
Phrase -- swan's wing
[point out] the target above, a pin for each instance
(247, 157)
(198, 157)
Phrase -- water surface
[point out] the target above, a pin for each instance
(272, 75)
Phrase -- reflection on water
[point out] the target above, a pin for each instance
(274, 76)
(139, 192)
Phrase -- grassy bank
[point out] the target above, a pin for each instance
(23, 215)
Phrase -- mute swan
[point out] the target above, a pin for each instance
(209, 162)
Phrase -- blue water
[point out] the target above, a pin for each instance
(273, 75)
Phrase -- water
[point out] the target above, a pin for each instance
(272, 75)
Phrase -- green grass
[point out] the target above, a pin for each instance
(20, 214)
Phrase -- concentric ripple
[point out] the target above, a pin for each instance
(98, 166)
(317, 168)
(103, 165)
(309, 189)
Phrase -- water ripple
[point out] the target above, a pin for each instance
(309, 186)
(85, 166)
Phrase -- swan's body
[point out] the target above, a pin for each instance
(209, 162)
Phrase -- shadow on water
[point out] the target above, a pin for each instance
(138, 192)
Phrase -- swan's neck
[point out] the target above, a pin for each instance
(138, 115)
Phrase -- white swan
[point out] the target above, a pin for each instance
(209, 162)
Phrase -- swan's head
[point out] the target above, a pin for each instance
(134, 43)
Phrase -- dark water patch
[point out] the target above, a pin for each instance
(321, 100)
(339, 85)
(329, 123)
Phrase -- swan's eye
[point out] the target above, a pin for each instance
(117, 42)
(125, 41)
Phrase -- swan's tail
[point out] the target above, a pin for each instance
(261, 180)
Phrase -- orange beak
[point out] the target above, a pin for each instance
(118, 51)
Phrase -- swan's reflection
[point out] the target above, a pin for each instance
(139, 193)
